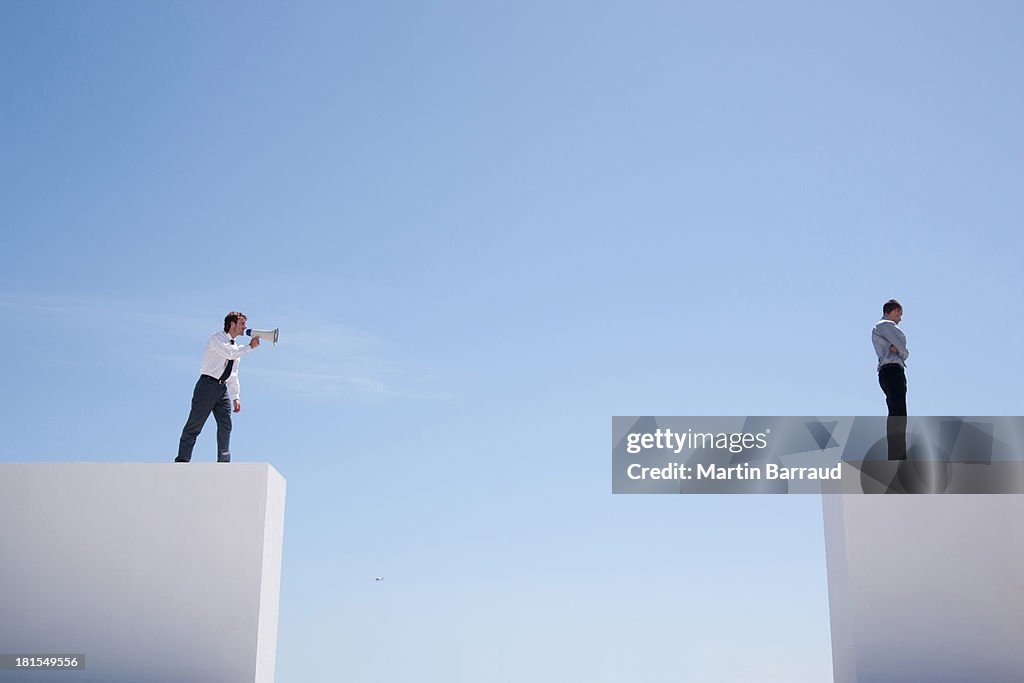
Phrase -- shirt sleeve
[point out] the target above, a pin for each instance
(894, 336)
(232, 385)
(227, 350)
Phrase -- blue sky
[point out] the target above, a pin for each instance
(483, 231)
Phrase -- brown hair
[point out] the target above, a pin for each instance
(233, 317)
(890, 306)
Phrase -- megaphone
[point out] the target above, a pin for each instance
(269, 335)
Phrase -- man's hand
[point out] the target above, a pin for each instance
(252, 345)
(238, 406)
(893, 349)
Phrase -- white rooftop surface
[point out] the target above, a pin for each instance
(155, 572)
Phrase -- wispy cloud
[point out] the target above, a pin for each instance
(316, 359)
(335, 362)
(93, 312)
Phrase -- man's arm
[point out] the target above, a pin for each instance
(229, 351)
(897, 340)
(233, 389)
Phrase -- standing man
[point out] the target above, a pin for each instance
(891, 348)
(218, 382)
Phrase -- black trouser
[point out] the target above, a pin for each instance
(893, 381)
(209, 396)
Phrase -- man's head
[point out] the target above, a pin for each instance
(234, 323)
(892, 310)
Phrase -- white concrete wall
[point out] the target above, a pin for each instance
(157, 573)
(926, 588)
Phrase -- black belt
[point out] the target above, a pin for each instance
(890, 365)
(211, 378)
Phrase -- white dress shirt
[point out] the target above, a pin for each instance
(219, 350)
(885, 334)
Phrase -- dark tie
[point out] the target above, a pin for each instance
(227, 369)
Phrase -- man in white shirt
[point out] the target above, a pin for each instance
(218, 382)
(891, 349)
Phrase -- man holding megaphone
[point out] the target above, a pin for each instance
(217, 388)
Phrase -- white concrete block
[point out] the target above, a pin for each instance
(926, 588)
(157, 573)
